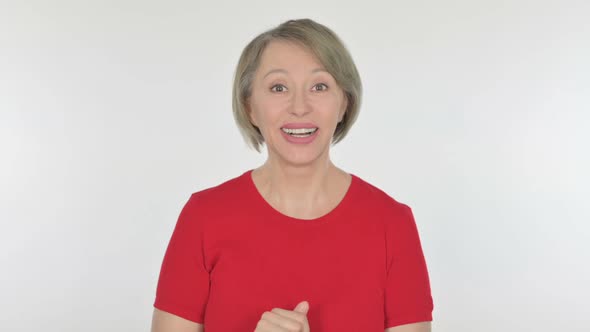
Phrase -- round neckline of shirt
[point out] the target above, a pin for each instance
(330, 215)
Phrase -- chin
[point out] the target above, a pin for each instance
(302, 157)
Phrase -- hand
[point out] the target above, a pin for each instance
(281, 320)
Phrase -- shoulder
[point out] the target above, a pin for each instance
(218, 197)
(378, 199)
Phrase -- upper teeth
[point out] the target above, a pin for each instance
(299, 130)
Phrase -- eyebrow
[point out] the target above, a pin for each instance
(284, 71)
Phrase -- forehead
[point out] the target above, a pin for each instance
(284, 54)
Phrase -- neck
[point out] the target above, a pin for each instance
(296, 188)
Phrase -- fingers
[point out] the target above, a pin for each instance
(302, 307)
(294, 315)
(281, 320)
(275, 322)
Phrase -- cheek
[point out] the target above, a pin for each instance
(270, 109)
(263, 114)
(329, 107)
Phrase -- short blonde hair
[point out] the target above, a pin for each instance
(328, 49)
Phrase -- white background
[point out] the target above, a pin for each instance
(475, 113)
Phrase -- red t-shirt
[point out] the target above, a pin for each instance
(232, 257)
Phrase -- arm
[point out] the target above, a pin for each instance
(183, 285)
(408, 299)
(414, 327)
(163, 321)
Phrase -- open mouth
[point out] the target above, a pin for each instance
(299, 132)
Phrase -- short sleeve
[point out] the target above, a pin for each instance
(183, 284)
(407, 289)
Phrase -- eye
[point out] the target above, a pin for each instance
(280, 88)
(322, 89)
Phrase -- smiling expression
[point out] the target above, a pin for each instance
(292, 95)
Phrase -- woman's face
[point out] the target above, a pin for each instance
(293, 95)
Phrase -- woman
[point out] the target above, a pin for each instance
(296, 244)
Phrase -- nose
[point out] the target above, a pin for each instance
(299, 104)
